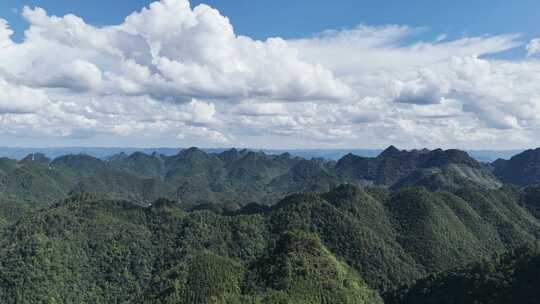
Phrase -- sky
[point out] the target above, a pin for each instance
(270, 74)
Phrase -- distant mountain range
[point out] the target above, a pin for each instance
(193, 176)
(329, 154)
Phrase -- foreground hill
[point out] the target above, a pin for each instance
(510, 278)
(342, 246)
(194, 177)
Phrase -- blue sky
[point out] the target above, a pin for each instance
(339, 74)
(292, 19)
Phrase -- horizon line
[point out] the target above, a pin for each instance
(256, 148)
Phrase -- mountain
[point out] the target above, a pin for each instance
(138, 163)
(194, 177)
(510, 278)
(530, 199)
(88, 250)
(30, 180)
(302, 270)
(434, 169)
(342, 246)
(35, 158)
(313, 175)
(450, 177)
(191, 176)
(485, 156)
(240, 226)
(80, 164)
(522, 169)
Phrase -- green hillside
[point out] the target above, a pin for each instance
(509, 278)
(340, 247)
(194, 177)
(247, 227)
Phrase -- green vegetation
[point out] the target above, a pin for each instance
(245, 227)
(522, 169)
(509, 278)
(339, 247)
(194, 177)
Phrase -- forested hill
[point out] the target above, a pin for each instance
(329, 154)
(508, 278)
(246, 227)
(194, 177)
(343, 246)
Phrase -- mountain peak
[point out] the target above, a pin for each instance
(192, 151)
(229, 155)
(81, 162)
(35, 158)
(390, 151)
(522, 169)
(349, 156)
(255, 154)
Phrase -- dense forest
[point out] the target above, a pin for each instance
(420, 226)
(194, 177)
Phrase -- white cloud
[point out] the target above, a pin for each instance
(261, 109)
(504, 94)
(426, 89)
(533, 47)
(159, 72)
(175, 74)
(5, 33)
(77, 75)
(484, 94)
(16, 99)
(201, 112)
(374, 48)
(183, 53)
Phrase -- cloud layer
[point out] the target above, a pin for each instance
(182, 75)
(533, 47)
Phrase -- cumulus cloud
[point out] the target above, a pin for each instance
(201, 112)
(179, 74)
(5, 33)
(429, 81)
(503, 94)
(533, 47)
(170, 50)
(77, 75)
(425, 89)
(261, 109)
(166, 57)
(16, 99)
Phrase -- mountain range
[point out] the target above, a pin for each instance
(237, 176)
(240, 226)
(329, 154)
